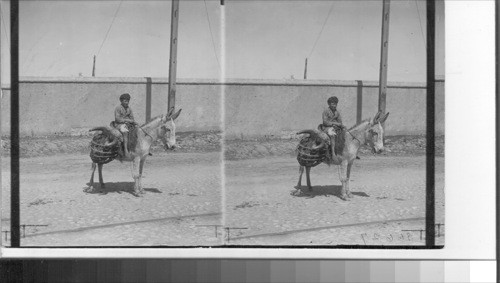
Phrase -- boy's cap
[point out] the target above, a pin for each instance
(333, 99)
(125, 96)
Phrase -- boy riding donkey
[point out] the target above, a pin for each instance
(332, 121)
(124, 120)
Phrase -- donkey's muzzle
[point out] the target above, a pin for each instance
(170, 147)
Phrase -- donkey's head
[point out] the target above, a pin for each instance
(375, 132)
(167, 129)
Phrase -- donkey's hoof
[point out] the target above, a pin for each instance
(343, 197)
(349, 195)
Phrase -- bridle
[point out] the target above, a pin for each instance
(147, 134)
(371, 135)
(355, 137)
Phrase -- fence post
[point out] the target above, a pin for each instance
(359, 106)
(305, 71)
(148, 99)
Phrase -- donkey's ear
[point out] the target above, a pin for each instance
(164, 118)
(170, 111)
(372, 122)
(173, 117)
(377, 117)
(382, 120)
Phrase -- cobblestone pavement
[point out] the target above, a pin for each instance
(176, 185)
(259, 197)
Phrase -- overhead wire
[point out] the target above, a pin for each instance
(107, 33)
(321, 31)
(5, 29)
(211, 34)
(420, 21)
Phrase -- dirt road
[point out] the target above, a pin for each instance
(389, 197)
(183, 201)
(182, 193)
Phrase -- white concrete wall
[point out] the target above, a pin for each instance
(253, 108)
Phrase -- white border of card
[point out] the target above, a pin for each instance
(469, 178)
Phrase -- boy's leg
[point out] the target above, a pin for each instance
(333, 145)
(124, 131)
(331, 133)
(125, 143)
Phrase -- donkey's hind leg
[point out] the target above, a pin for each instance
(299, 183)
(99, 169)
(91, 182)
(301, 171)
(298, 190)
(308, 170)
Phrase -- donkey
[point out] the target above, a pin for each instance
(161, 127)
(369, 132)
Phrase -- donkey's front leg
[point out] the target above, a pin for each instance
(136, 175)
(141, 165)
(343, 179)
(348, 179)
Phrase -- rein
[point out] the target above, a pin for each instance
(360, 143)
(152, 139)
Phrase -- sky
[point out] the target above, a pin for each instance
(264, 39)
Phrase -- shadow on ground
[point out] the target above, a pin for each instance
(334, 190)
(119, 187)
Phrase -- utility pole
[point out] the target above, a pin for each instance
(305, 71)
(93, 68)
(172, 74)
(383, 56)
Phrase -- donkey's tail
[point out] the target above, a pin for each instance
(105, 130)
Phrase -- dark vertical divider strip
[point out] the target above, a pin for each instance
(430, 162)
(14, 124)
(497, 101)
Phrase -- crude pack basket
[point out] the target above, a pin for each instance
(307, 156)
(100, 153)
